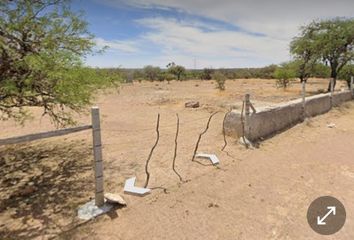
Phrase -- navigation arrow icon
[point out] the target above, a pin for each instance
(320, 221)
(129, 188)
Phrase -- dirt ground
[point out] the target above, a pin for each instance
(253, 194)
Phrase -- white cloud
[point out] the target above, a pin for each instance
(117, 45)
(276, 18)
(214, 45)
(218, 48)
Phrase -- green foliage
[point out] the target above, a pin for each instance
(285, 75)
(151, 73)
(138, 74)
(328, 41)
(292, 68)
(243, 73)
(41, 46)
(177, 70)
(317, 70)
(75, 92)
(161, 77)
(166, 76)
(347, 72)
(304, 57)
(169, 77)
(207, 74)
(126, 75)
(220, 80)
(320, 70)
(298, 69)
(192, 74)
(265, 72)
(239, 73)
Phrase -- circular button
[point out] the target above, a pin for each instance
(326, 215)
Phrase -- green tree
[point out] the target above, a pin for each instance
(177, 70)
(42, 43)
(285, 74)
(305, 59)
(328, 41)
(299, 69)
(151, 73)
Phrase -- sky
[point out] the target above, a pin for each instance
(200, 33)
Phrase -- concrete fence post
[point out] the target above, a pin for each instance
(246, 127)
(304, 98)
(332, 90)
(247, 104)
(97, 153)
(332, 86)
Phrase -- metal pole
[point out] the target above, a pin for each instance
(351, 85)
(97, 153)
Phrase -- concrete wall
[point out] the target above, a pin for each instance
(266, 122)
(318, 104)
(341, 97)
(233, 125)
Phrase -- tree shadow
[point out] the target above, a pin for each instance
(41, 187)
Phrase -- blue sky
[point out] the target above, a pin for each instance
(200, 33)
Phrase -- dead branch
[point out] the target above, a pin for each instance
(175, 154)
(253, 108)
(151, 152)
(201, 134)
(223, 130)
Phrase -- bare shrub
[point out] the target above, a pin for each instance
(220, 80)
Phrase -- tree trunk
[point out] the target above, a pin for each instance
(348, 82)
(334, 76)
